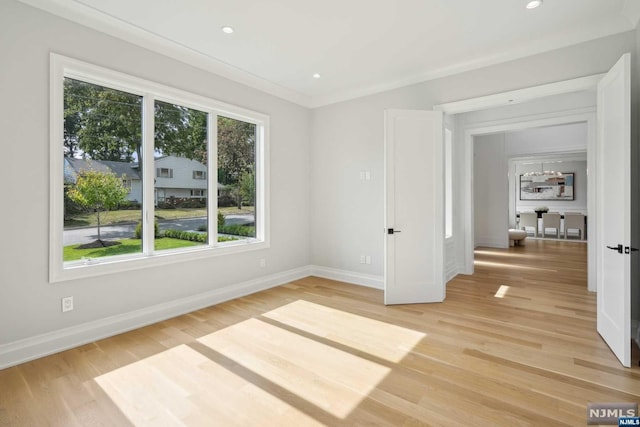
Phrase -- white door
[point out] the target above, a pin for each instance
(414, 207)
(613, 227)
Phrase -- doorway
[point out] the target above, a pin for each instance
(563, 109)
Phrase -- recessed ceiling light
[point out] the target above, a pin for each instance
(227, 30)
(533, 4)
(316, 76)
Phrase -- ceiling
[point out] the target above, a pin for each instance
(358, 47)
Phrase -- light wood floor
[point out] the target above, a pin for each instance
(514, 344)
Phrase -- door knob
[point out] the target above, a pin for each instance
(392, 231)
(616, 248)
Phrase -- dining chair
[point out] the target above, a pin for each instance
(551, 220)
(529, 220)
(574, 221)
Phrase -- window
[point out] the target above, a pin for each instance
(164, 173)
(109, 134)
(236, 173)
(448, 184)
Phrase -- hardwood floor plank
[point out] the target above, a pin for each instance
(513, 344)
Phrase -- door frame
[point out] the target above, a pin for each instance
(587, 116)
(502, 99)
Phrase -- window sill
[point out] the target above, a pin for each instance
(102, 266)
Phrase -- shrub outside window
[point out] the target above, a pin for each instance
(125, 151)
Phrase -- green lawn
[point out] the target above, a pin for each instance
(127, 246)
(133, 215)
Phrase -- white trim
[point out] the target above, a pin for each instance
(21, 351)
(524, 122)
(368, 280)
(87, 16)
(31, 348)
(490, 242)
(61, 67)
(521, 95)
(90, 17)
(323, 100)
(450, 268)
(587, 115)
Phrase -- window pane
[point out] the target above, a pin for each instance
(236, 178)
(102, 176)
(180, 187)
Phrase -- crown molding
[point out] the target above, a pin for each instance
(99, 21)
(475, 64)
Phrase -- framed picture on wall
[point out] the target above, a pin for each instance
(551, 186)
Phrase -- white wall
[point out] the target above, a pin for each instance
(29, 305)
(491, 191)
(498, 160)
(552, 139)
(540, 144)
(347, 214)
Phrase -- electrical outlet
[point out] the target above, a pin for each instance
(263, 262)
(368, 259)
(67, 304)
(363, 259)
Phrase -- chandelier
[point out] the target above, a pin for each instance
(542, 172)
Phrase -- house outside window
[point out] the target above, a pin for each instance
(155, 152)
(164, 173)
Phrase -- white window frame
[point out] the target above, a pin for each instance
(61, 67)
(200, 175)
(202, 192)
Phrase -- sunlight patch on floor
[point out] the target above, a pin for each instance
(510, 266)
(505, 254)
(331, 379)
(502, 291)
(234, 383)
(181, 387)
(380, 339)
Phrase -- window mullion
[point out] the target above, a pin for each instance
(148, 172)
(212, 177)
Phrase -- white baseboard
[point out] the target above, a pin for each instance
(368, 280)
(490, 242)
(31, 348)
(451, 272)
